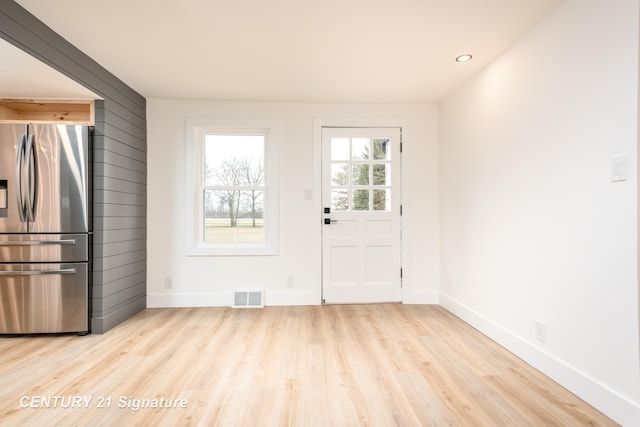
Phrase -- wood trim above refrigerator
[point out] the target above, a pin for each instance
(68, 111)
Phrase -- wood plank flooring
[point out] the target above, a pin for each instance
(351, 365)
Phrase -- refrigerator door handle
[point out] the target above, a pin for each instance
(38, 272)
(37, 242)
(32, 177)
(19, 176)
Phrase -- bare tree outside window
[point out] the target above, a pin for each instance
(234, 188)
(229, 174)
(253, 174)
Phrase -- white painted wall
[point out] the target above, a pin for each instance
(209, 281)
(532, 228)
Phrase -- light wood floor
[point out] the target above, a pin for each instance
(373, 365)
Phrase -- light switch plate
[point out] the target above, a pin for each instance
(618, 168)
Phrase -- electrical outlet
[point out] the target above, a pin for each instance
(168, 282)
(291, 282)
(541, 331)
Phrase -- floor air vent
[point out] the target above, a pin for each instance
(252, 299)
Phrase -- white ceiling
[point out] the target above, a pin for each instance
(292, 50)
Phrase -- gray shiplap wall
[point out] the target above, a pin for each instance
(120, 168)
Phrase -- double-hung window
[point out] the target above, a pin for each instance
(232, 181)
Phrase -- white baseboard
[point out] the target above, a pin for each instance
(280, 298)
(611, 403)
(180, 300)
(225, 299)
(420, 297)
(275, 298)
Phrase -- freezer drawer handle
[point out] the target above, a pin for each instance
(37, 242)
(38, 272)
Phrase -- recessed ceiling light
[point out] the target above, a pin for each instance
(464, 58)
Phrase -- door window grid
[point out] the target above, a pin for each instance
(361, 174)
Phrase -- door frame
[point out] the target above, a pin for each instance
(318, 124)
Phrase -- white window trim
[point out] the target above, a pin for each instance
(194, 200)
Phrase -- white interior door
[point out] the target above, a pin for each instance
(361, 237)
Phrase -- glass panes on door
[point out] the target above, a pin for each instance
(361, 174)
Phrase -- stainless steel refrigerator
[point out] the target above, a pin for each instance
(45, 228)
